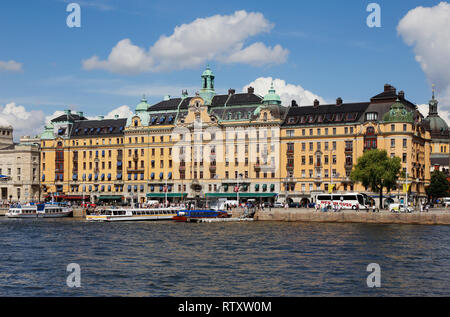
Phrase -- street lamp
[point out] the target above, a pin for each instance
(239, 176)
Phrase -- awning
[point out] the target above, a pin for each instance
(169, 195)
(73, 197)
(257, 187)
(110, 197)
(241, 195)
(272, 187)
(264, 187)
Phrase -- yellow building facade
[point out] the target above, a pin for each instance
(235, 146)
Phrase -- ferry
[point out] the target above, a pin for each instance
(196, 215)
(131, 214)
(39, 211)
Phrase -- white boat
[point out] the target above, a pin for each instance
(39, 211)
(134, 214)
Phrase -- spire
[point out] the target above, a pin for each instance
(433, 104)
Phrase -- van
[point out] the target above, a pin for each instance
(446, 202)
(399, 208)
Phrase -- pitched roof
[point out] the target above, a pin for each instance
(344, 113)
(94, 128)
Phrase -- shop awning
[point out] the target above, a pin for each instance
(169, 195)
(110, 197)
(241, 195)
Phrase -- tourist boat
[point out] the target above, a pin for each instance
(132, 214)
(195, 215)
(39, 211)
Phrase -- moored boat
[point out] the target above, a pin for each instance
(194, 215)
(39, 211)
(133, 214)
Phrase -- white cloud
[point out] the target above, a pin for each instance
(125, 58)
(427, 29)
(287, 92)
(219, 37)
(258, 54)
(11, 65)
(123, 112)
(24, 122)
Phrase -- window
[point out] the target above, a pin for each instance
(405, 142)
(392, 142)
(334, 131)
(404, 158)
(371, 116)
(392, 127)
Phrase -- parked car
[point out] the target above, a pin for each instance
(294, 205)
(399, 208)
(268, 205)
(278, 205)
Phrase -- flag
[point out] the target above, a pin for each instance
(406, 187)
(236, 189)
(330, 189)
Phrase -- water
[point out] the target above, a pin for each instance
(221, 259)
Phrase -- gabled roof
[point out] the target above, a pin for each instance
(68, 117)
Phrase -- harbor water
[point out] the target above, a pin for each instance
(221, 259)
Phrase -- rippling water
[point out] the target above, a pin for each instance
(221, 259)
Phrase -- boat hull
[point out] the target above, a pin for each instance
(109, 218)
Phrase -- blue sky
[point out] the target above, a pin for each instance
(331, 51)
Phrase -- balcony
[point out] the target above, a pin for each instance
(257, 167)
(290, 167)
(318, 164)
(289, 152)
(135, 157)
(212, 167)
(182, 167)
(349, 149)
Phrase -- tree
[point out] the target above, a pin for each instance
(375, 170)
(439, 186)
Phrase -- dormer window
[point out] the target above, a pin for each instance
(371, 116)
(136, 123)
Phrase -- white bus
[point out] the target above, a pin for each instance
(352, 201)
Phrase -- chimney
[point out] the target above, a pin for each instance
(339, 101)
(231, 91)
(251, 90)
(184, 93)
(294, 103)
(80, 114)
(67, 112)
(401, 94)
(116, 116)
(387, 88)
(316, 103)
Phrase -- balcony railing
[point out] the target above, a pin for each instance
(289, 167)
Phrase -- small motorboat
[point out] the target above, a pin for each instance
(195, 215)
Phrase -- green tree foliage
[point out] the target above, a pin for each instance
(439, 186)
(375, 170)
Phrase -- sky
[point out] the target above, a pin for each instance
(123, 50)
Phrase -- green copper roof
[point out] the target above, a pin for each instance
(208, 72)
(48, 132)
(143, 105)
(398, 113)
(272, 97)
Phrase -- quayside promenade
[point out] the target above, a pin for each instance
(433, 217)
